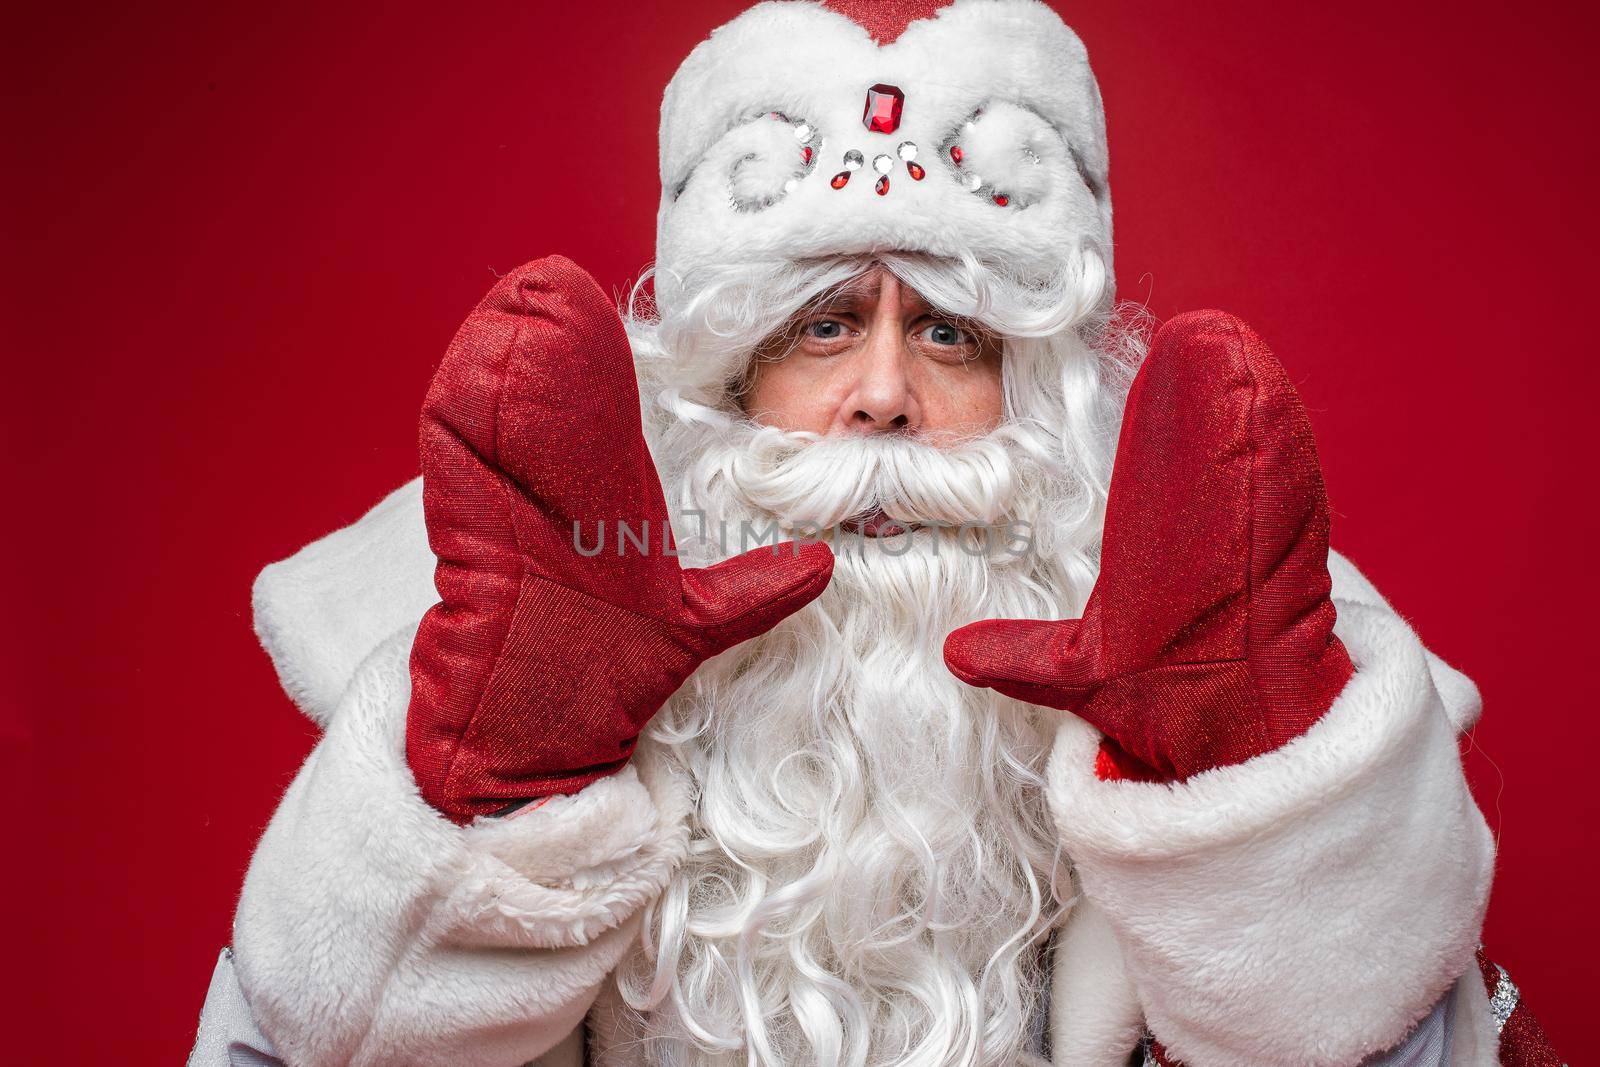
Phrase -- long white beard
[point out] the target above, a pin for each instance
(873, 870)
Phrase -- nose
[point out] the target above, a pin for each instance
(880, 398)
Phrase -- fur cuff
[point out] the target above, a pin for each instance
(374, 931)
(323, 610)
(1305, 907)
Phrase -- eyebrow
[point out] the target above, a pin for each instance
(847, 294)
(863, 287)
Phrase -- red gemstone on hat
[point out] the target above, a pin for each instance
(1002, 199)
(956, 155)
(883, 185)
(884, 104)
(841, 179)
(805, 154)
(917, 173)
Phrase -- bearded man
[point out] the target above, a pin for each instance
(999, 758)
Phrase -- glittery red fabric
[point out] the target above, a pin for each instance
(1159, 1054)
(885, 20)
(1522, 1039)
(1209, 636)
(542, 663)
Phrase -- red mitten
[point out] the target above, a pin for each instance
(1208, 638)
(543, 663)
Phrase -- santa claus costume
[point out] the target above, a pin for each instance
(1093, 754)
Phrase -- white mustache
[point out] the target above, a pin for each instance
(820, 482)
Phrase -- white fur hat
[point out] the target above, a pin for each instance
(800, 130)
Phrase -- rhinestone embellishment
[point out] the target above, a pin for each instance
(908, 152)
(882, 163)
(1505, 999)
(884, 104)
(803, 133)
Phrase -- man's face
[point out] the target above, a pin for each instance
(873, 357)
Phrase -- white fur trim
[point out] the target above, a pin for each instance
(373, 931)
(1095, 1019)
(1008, 147)
(1462, 701)
(569, 1053)
(1474, 1042)
(766, 157)
(1310, 905)
(320, 612)
(1042, 128)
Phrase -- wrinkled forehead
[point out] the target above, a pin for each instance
(792, 133)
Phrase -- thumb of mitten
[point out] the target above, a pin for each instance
(1055, 664)
(748, 595)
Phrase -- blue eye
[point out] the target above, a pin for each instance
(826, 330)
(943, 333)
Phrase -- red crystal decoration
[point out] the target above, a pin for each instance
(883, 185)
(956, 155)
(841, 179)
(805, 155)
(1002, 199)
(884, 104)
(917, 173)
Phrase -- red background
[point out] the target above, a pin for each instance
(238, 242)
